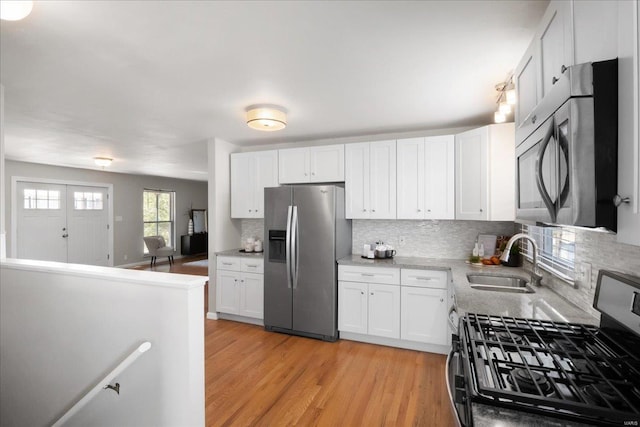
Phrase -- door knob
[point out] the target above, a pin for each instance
(618, 200)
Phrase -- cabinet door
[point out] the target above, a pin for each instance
(251, 296)
(293, 165)
(382, 181)
(242, 185)
(265, 175)
(629, 123)
(424, 315)
(227, 283)
(471, 174)
(411, 178)
(590, 45)
(526, 82)
(327, 163)
(384, 310)
(439, 177)
(352, 307)
(555, 43)
(356, 184)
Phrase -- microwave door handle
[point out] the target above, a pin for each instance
(539, 181)
(564, 146)
(288, 249)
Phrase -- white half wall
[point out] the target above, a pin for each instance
(63, 327)
(3, 207)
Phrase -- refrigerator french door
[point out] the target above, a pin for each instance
(305, 232)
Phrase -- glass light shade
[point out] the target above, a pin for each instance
(102, 161)
(15, 10)
(498, 117)
(504, 108)
(266, 119)
(511, 96)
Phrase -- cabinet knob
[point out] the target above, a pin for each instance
(480, 210)
(563, 69)
(313, 173)
(364, 210)
(249, 210)
(554, 80)
(419, 210)
(371, 293)
(441, 299)
(361, 292)
(306, 174)
(428, 210)
(373, 210)
(618, 200)
(533, 119)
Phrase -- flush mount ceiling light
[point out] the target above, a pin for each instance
(266, 118)
(15, 10)
(506, 98)
(102, 161)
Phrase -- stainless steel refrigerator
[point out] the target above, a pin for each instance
(306, 233)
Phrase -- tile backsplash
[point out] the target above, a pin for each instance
(602, 251)
(455, 239)
(430, 239)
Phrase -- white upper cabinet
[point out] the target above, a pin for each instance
(485, 173)
(370, 180)
(590, 45)
(250, 174)
(629, 122)
(526, 80)
(555, 43)
(311, 164)
(425, 184)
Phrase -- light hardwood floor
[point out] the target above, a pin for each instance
(259, 378)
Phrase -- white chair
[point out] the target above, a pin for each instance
(158, 247)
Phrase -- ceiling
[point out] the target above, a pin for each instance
(148, 82)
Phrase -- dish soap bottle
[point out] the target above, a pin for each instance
(476, 250)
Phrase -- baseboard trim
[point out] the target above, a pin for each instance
(147, 262)
(243, 319)
(212, 315)
(392, 342)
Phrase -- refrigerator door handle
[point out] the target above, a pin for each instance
(295, 247)
(288, 249)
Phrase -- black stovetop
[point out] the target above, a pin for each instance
(574, 371)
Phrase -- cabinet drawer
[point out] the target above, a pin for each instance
(424, 278)
(355, 273)
(251, 265)
(228, 263)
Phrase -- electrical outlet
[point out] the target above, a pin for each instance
(402, 240)
(585, 274)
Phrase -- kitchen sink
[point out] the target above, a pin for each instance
(488, 282)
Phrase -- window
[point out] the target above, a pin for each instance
(158, 207)
(87, 201)
(41, 199)
(557, 247)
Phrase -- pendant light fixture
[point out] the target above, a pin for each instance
(506, 98)
(266, 118)
(15, 10)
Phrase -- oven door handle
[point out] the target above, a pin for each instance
(448, 380)
(539, 181)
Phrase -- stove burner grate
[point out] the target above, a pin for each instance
(528, 381)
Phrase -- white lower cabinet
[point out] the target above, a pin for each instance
(369, 308)
(424, 315)
(405, 308)
(238, 291)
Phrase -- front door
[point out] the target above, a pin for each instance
(62, 223)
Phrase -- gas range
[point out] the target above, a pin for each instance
(566, 371)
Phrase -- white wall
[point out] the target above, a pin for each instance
(64, 326)
(3, 248)
(127, 190)
(224, 232)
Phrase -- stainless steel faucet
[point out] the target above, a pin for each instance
(536, 277)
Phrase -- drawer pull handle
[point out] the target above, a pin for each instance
(424, 278)
(252, 265)
(227, 263)
(367, 274)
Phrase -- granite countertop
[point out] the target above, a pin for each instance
(543, 304)
(236, 252)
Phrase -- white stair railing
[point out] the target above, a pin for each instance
(104, 383)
